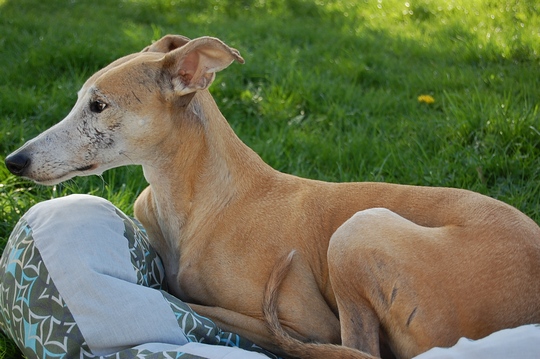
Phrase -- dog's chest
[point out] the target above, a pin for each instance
(213, 277)
(190, 282)
(197, 281)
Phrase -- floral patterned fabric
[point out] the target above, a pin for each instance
(35, 315)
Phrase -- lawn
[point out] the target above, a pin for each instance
(330, 89)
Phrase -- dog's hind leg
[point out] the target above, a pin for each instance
(372, 264)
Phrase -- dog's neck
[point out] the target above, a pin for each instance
(207, 168)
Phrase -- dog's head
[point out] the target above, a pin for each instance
(121, 110)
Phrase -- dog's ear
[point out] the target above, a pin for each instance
(167, 43)
(193, 67)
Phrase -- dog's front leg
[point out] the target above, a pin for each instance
(248, 327)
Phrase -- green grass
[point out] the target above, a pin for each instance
(329, 89)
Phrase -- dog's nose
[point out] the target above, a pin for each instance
(17, 163)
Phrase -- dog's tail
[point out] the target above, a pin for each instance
(291, 346)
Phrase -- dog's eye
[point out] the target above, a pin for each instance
(97, 106)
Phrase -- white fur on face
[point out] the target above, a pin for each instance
(83, 143)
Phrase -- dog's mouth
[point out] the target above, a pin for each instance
(86, 168)
(50, 181)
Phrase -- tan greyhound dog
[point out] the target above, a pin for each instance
(406, 267)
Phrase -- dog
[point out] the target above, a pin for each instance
(303, 268)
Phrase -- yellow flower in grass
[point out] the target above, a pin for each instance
(426, 99)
